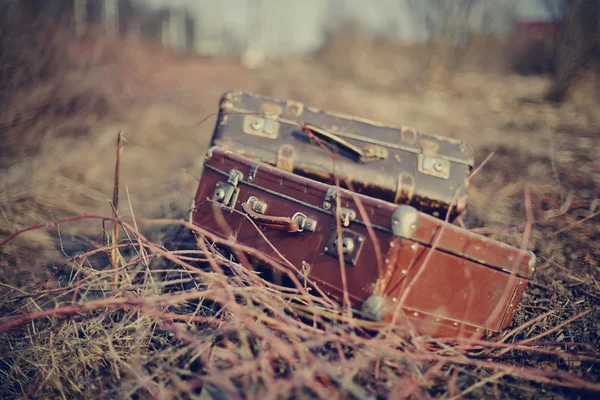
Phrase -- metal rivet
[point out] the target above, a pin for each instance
(326, 205)
(437, 320)
(414, 246)
(404, 272)
(392, 244)
(456, 324)
(387, 260)
(477, 330)
(520, 282)
(326, 249)
(257, 124)
(416, 314)
(438, 166)
(413, 226)
(395, 300)
(395, 222)
(360, 238)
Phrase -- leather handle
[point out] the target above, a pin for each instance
(268, 221)
(366, 155)
(332, 138)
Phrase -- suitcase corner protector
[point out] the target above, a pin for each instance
(209, 152)
(405, 221)
(372, 308)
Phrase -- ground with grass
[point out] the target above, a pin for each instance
(73, 326)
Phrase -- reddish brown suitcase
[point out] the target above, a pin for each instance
(399, 165)
(445, 279)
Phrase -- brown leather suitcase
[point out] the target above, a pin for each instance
(399, 165)
(442, 279)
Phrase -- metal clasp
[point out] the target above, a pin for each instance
(227, 193)
(433, 166)
(347, 215)
(352, 244)
(234, 177)
(265, 126)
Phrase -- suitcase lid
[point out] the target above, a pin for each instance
(401, 221)
(263, 115)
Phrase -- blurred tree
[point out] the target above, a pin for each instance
(577, 45)
(448, 31)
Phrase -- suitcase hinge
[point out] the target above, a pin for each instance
(253, 171)
(227, 193)
(372, 153)
(328, 198)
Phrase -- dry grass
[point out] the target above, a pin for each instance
(241, 335)
(184, 320)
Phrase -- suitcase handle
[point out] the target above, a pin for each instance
(369, 154)
(297, 223)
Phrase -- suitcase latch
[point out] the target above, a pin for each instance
(265, 126)
(352, 244)
(347, 215)
(227, 193)
(434, 166)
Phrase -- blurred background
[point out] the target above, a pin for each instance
(516, 78)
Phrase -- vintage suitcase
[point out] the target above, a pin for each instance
(444, 279)
(399, 165)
